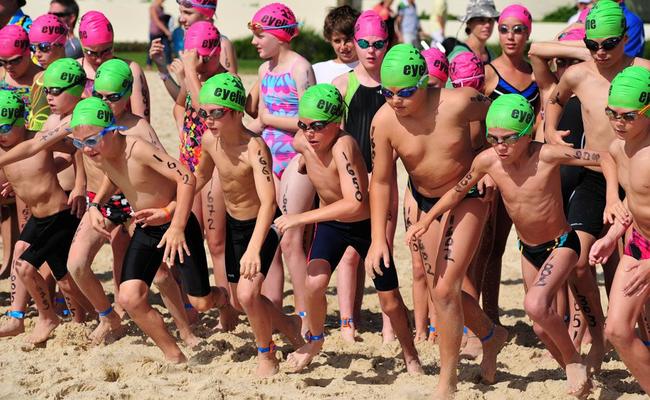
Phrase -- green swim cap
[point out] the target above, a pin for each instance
(403, 67)
(512, 112)
(605, 20)
(322, 102)
(225, 90)
(12, 108)
(631, 89)
(63, 73)
(114, 76)
(92, 111)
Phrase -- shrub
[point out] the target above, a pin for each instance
(561, 14)
(308, 43)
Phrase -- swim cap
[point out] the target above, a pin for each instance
(437, 63)
(403, 67)
(48, 28)
(322, 102)
(92, 111)
(12, 108)
(114, 76)
(605, 20)
(511, 112)
(95, 29)
(631, 89)
(572, 34)
(467, 69)
(64, 72)
(370, 23)
(518, 12)
(205, 7)
(13, 41)
(225, 90)
(277, 14)
(204, 37)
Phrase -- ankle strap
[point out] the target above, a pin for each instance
(16, 314)
(646, 343)
(106, 312)
(345, 322)
(188, 306)
(302, 314)
(267, 349)
(432, 329)
(311, 338)
(489, 335)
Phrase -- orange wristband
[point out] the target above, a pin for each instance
(169, 215)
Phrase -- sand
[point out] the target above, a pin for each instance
(68, 368)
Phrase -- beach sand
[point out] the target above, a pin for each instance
(69, 368)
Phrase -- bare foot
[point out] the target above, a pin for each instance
(302, 357)
(267, 364)
(228, 318)
(109, 330)
(594, 358)
(414, 367)
(348, 331)
(295, 336)
(388, 335)
(578, 383)
(12, 327)
(119, 311)
(190, 339)
(443, 392)
(43, 328)
(491, 349)
(176, 358)
(433, 336)
(473, 348)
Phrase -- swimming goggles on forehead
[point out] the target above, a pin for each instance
(406, 92)
(93, 141)
(191, 4)
(258, 28)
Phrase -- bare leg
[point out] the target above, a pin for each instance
(387, 332)
(9, 232)
(346, 282)
(133, 298)
(120, 239)
(621, 320)
(19, 297)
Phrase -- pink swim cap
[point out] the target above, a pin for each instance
(48, 28)
(13, 41)
(276, 19)
(370, 23)
(95, 29)
(519, 12)
(573, 34)
(467, 70)
(205, 7)
(204, 37)
(437, 63)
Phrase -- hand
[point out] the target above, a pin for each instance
(98, 222)
(487, 188)
(262, 115)
(152, 216)
(616, 211)
(553, 136)
(601, 250)
(174, 242)
(7, 190)
(157, 52)
(250, 264)
(286, 222)
(416, 230)
(77, 201)
(177, 68)
(638, 283)
(377, 253)
(190, 60)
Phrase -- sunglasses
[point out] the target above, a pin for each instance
(113, 97)
(315, 126)
(630, 116)
(61, 14)
(55, 91)
(98, 54)
(516, 30)
(190, 4)
(217, 113)
(607, 44)
(258, 28)
(508, 140)
(565, 62)
(406, 92)
(13, 61)
(94, 140)
(378, 45)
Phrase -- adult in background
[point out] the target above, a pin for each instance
(12, 14)
(159, 29)
(580, 6)
(479, 19)
(407, 23)
(68, 13)
(338, 30)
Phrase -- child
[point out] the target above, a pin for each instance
(527, 174)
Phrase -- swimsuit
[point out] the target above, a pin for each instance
(363, 103)
(39, 109)
(637, 246)
(531, 93)
(238, 236)
(117, 209)
(143, 257)
(332, 238)
(49, 241)
(280, 95)
(425, 204)
(193, 129)
(537, 255)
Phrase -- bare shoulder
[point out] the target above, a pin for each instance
(462, 96)
(136, 69)
(257, 145)
(263, 69)
(346, 143)
(384, 119)
(575, 72)
(341, 82)
(642, 62)
(484, 160)
(300, 63)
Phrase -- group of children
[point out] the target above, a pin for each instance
(322, 157)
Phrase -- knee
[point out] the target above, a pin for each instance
(291, 241)
(391, 303)
(316, 285)
(66, 284)
(536, 308)
(203, 304)
(445, 296)
(216, 247)
(618, 333)
(162, 278)
(539, 331)
(418, 273)
(246, 296)
(24, 269)
(130, 298)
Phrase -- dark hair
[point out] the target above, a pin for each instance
(340, 19)
(21, 3)
(70, 6)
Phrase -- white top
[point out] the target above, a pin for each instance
(327, 71)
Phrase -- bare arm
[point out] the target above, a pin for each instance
(555, 107)
(475, 105)
(382, 172)
(106, 189)
(262, 164)
(228, 56)
(206, 166)
(156, 20)
(140, 98)
(42, 140)
(192, 83)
